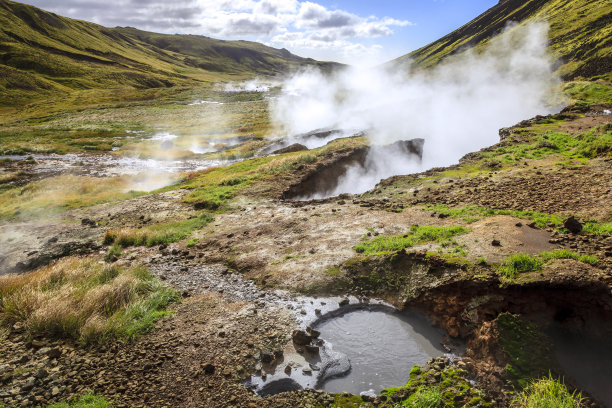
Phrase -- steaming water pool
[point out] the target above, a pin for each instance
(382, 348)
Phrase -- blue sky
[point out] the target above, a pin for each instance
(354, 32)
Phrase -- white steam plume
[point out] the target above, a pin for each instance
(458, 107)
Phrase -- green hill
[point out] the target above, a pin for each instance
(41, 52)
(580, 34)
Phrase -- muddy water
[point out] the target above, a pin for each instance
(382, 348)
(587, 360)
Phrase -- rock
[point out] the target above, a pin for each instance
(278, 354)
(312, 349)
(208, 368)
(287, 369)
(496, 243)
(54, 353)
(343, 302)
(301, 338)
(88, 221)
(573, 225)
(267, 357)
(55, 391)
(313, 333)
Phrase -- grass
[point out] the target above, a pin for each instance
(516, 264)
(425, 397)
(163, 233)
(415, 235)
(547, 393)
(588, 92)
(56, 194)
(596, 142)
(86, 401)
(473, 213)
(81, 299)
(213, 188)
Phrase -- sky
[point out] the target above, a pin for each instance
(356, 32)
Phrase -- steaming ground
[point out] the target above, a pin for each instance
(456, 108)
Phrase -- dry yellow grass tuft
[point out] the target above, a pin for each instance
(83, 299)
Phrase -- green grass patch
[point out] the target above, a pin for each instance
(598, 228)
(548, 393)
(163, 233)
(56, 194)
(473, 213)
(415, 235)
(516, 264)
(86, 401)
(425, 397)
(81, 299)
(596, 142)
(567, 254)
(213, 188)
(588, 92)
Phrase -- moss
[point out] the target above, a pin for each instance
(530, 353)
(474, 213)
(415, 235)
(516, 264)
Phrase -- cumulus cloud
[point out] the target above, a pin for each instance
(281, 23)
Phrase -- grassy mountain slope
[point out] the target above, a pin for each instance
(44, 52)
(580, 34)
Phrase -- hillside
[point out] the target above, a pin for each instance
(44, 52)
(580, 34)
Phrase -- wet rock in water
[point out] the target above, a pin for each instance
(343, 302)
(287, 369)
(312, 332)
(296, 147)
(312, 349)
(276, 387)
(573, 225)
(301, 338)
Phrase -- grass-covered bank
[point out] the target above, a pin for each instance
(84, 300)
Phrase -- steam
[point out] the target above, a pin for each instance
(456, 108)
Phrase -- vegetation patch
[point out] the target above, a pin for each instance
(436, 389)
(547, 393)
(516, 264)
(597, 142)
(214, 187)
(473, 213)
(62, 193)
(86, 401)
(163, 233)
(416, 234)
(81, 299)
(530, 352)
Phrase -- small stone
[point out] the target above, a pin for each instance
(287, 369)
(343, 302)
(496, 243)
(55, 391)
(208, 368)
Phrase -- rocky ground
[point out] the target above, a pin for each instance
(232, 313)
